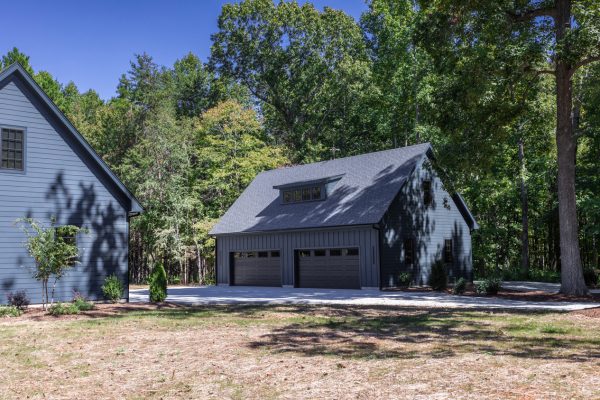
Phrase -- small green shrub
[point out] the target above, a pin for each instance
(489, 286)
(63, 309)
(158, 284)
(18, 299)
(404, 279)
(83, 305)
(460, 286)
(438, 279)
(10, 311)
(112, 288)
(81, 302)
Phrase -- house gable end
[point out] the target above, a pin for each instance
(35, 95)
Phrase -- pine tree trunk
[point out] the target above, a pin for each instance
(524, 214)
(570, 258)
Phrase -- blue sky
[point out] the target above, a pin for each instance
(91, 42)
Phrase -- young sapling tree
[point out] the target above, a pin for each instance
(54, 250)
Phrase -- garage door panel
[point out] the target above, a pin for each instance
(328, 271)
(256, 271)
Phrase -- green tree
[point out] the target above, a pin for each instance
(306, 68)
(521, 40)
(402, 71)
(54, 250)
(14, 56)
(231, 149)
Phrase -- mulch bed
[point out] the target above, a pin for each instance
(100, 310)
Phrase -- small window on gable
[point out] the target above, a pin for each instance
(427, 194)
(409, 251)
(448, 251)
(12, 149)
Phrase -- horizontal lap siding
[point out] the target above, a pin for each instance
(56, 183)
(288, 242)
(429, 227)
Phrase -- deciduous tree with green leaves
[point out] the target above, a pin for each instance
(525, 39)
(307, 69)
(54, 250)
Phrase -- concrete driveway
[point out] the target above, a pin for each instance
(205, 295)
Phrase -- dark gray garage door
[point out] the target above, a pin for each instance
(256, 268)
(328, 268)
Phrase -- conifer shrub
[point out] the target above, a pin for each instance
(158, 284)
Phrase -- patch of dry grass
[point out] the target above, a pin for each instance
(138, 352)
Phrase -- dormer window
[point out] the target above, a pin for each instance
(307, 190)
(304, 194)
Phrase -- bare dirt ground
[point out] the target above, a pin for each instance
(144, 351)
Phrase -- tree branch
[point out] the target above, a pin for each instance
(531, 14)
(585, 62)
(544, 71)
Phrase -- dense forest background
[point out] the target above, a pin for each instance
(287, 84)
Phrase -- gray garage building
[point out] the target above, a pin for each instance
(355, 222)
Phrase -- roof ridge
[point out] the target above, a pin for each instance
(285, 167)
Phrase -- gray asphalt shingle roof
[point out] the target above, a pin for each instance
(362, 195)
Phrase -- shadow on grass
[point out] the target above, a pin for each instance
(408, 333)
(383, 332)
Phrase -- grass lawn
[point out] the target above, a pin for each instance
(139, 351)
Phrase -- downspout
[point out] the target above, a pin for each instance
(216, 262)
(377, 227)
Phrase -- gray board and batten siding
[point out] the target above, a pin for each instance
(429, 227)
(288, 243)
(63, 179)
